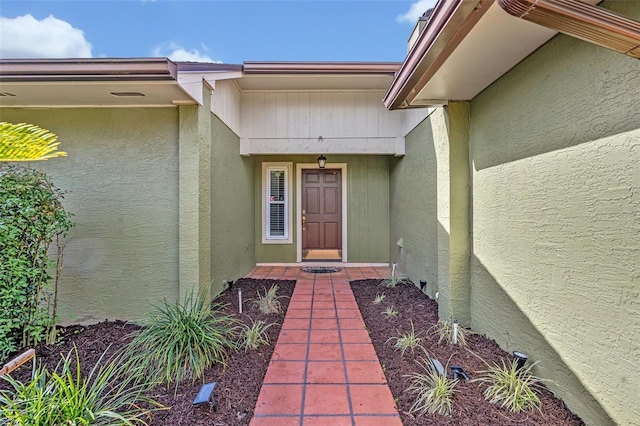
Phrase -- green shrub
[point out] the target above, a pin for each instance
(433, 391)
(394, 279)
(269, 303)
(255, 335)
(109, 395)
(181, 340)
(510, 387)
(31, 218)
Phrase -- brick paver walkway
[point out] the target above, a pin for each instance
(324, 369)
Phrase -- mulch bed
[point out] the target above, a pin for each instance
(469, 406)
(239, 384)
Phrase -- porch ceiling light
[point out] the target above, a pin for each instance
(322, 161)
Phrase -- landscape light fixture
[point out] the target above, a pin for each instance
(423, 285)
(205, 396)
(322, 161)
(230, 284)
(520, 358)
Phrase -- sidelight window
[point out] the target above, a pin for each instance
(276, 203)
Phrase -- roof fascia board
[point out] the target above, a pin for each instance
(87, 69)
(321, 67)
(448, 24)
(581, 20)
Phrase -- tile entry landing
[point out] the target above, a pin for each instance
(324, 369)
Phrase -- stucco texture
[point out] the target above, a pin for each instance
(555, 147)
(121, 174)
(414, 207)
(367, 208)
(232, 208)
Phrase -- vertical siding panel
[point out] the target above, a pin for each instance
(258, 114)
(282, 111)
(338, 111)
(315, 110)
(372, 116)
(360, 114)
(326, 120)
(303, 115)
(348, 114)
(293, 115)
(269, 115)
(247, 115)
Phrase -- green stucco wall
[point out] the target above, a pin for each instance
(555, 148)
(430, 209)
(367, 208)
(414, 207)
(232, 207)
(121, 174)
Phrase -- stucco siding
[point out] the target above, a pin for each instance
(555, 147)
(232, 208)
(414, 207)
(367, 208)
(121, 174)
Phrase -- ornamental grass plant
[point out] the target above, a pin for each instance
(254, 335)
(446, 332)
(110, 394)
(181, 340)
(409, 340)
(269, 303)
(511, 387)
(433, 391)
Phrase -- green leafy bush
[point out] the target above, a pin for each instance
(181, 340)
(109, 395)
(31, 219)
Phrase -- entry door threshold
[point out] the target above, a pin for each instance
(316, 263)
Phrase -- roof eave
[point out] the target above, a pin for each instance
(138, 69)
(252, 67)
(449, 23)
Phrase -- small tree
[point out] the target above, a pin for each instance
(31, 218)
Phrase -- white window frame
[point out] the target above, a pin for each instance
(267, 168)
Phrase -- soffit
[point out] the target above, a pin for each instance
(92, 94)
(495, 44)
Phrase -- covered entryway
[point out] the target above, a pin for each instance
(321, 214)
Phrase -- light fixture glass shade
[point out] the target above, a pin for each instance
(322, 161)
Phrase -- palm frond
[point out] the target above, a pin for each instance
(27, 142)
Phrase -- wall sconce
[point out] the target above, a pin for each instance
(322, 161)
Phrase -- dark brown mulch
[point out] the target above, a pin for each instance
(239, 384)
(469, 406)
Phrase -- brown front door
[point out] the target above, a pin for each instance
(322, 214)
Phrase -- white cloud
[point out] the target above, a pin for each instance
(416, 10)
(26, 37)
(179, 53)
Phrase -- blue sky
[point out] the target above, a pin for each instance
(210, 30)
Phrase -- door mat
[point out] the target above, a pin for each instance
(321, 269)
